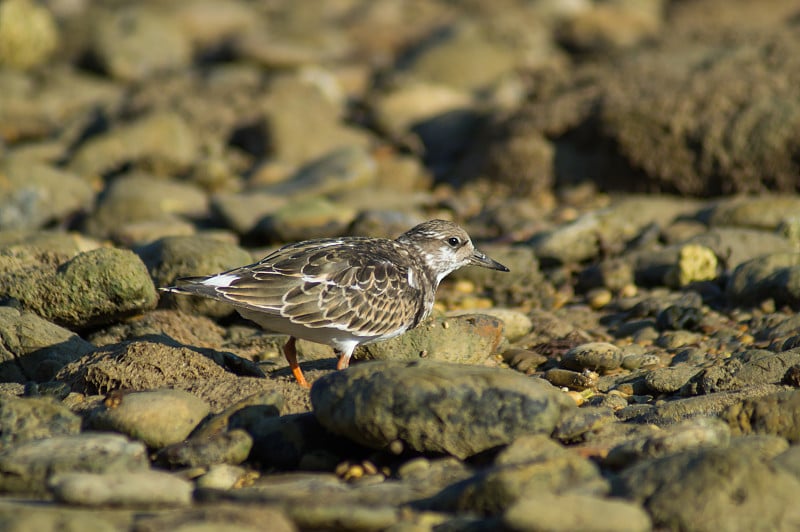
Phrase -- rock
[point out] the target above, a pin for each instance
(93, 288)
(574, 511)
(138, 42)
(158, 418)
(173, 257)
(145, 365)
(243, 211)
(36, 194)
(336, 172)
(738, 245)
(771, 414)
(136, 198)
(454, 59)
(19, 517)
(765, 211)
(595, 356)
(670, 380)
(774, 277)
(208, 24)
(218, 517)
(578, 241)
(695, 264)
(222, 477)
(162, 142)
(303, 123)
(187, 329)
(746, 369)
(515, 323)
(33, 349)
(28, 34)
(435, 407)
(398, 109)
(703, 405)
(564, 378)
(35, 107)
(131, 490)
(27, 467)
(466, 339)
(306, 219)
(578, 422)
(33, 418)
(712, 489)
(336, 516)
(683, 436)
(254, 407)
(230, 447)
(530, 465)
(283, 441)
(605, 28)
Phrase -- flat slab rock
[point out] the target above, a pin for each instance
(435, 407)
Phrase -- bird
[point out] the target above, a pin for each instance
(344, 291)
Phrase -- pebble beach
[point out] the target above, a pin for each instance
(634, 163)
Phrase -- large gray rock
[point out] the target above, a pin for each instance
(32, 348)
(713, 489)
(775, 276)
(27, 467)
(435, 407)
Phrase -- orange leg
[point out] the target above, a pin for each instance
(290, 352)
(344, 359)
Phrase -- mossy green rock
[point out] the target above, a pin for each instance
(96, 287)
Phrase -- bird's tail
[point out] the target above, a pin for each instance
(189, 285)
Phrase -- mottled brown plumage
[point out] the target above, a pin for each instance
(344, 291)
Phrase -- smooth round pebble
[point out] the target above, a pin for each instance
(158, 418)
(596, 356)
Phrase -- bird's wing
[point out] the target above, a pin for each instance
(326, 283)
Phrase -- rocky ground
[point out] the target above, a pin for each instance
(634, 162)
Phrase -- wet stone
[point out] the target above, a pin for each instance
(713, 489)
(158, 418)
(27, 467)
(748, 368)
(595, 356)
(777, 414)
(685, 435)
(133, 489)
(221, 476)
(435, 407)
(230, 447)
(547, 511)
(576, 423)
(670, 380)
(518, 475)
(34, 418)
(34, 349)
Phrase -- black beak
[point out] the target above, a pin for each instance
(479, 259)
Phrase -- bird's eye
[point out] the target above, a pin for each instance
(453, 242)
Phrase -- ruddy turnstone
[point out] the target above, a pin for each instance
(343, 291)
